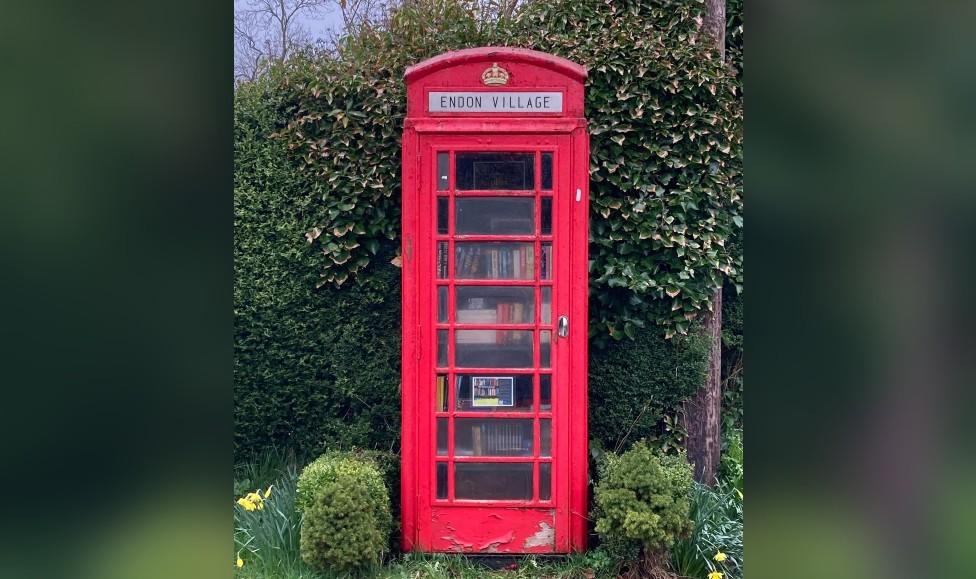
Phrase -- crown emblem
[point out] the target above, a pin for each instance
(494, 75)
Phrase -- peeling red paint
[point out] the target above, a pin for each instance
(544, 537)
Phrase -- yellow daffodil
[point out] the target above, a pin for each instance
(267, 493)
(247, 503)
(720, 556)
(240, 562)
(256, 499)
(715, 575)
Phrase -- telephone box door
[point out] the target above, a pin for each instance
(497, 425)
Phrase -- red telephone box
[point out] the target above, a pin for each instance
(495, 232)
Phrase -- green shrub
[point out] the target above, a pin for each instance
(346, 521)
(642, 499)
(635, 385)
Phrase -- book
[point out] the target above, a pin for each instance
(441, 393)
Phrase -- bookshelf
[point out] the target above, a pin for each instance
(493, 260)
(493, 437)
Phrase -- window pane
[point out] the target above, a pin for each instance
(492, 437)
(442, 480)
(545, 259)
(545, 437)
(441, 260)
(493, 481)
(544, 348)
(505, 171)
(513, 394)
(546, 315)
(495, 305)
(545, 219)
(493, 260)
(442, 204)
(442, 304)
(545, 392)
(443, 164)
(545, 481)
(493, 348)
(442, 348)
(547, 171)
(494, 216)
(440, 387)
(441, 437)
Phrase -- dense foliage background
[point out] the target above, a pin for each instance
(317, 217)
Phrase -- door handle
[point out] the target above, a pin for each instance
(562, 327)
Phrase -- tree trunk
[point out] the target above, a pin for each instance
(713, 23)
(703, 413)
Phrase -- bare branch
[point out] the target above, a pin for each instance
(268, 31)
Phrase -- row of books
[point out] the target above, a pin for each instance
(484, 262)
(494, 262)
(501, 438)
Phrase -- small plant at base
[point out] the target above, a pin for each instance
(346, 514)
(642, 503)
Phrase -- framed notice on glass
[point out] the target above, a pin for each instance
(492, 391)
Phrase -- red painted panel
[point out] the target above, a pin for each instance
(450, 523)
(493, 530)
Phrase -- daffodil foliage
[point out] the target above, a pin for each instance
(665, 125)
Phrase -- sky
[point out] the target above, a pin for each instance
(320, 27)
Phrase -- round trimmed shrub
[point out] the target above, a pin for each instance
(642, 499)
(346, 520)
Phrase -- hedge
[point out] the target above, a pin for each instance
(317, 214)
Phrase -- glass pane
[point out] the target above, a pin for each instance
(545, 267)
(547, 171)
(544, 347)
(441, 437)
(493, 260)
(440, 403)
(494, 171)
(493, 481)
(442, 203)
(494, 216)
(546, 218)
(545, 392)
(442, 480)
(546, 314)
(492, 437)
(512, 393)
(443, 164)
(442, 304)
(442, 348)
(545, 481)
(545, 437)
(494, 305)
(493, 348)
(441, 260)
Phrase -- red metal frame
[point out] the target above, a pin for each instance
(450, 524)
